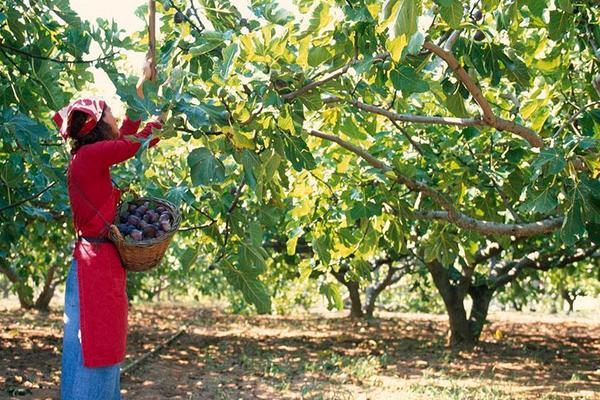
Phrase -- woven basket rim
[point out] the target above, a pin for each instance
(153, 241)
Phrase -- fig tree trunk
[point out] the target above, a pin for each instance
(24, 293)
(464, 332)
(570, 299)
(481, 296)
(355, 302)
(353, 290)
(370, 299)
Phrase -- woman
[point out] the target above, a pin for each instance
(95, 329)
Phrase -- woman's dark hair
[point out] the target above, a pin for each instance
(102, 131)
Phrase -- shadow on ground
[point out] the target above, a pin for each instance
(224, 356)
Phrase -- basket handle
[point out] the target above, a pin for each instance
(116, 233)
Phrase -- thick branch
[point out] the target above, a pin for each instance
(526, 133)
(461, 74)
(493, 228)
(9, 272)
(560, 259)
(486, 253)
(451, 214)
(417, 119)
(499, 123)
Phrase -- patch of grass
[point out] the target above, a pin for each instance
(362, 368)
(562, 397)
(318, 391)
(455, 391)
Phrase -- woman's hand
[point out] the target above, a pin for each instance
(148, 72)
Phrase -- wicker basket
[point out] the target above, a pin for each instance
(145, 254)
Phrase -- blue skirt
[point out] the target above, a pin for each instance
(79, 382)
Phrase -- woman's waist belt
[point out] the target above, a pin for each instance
(94, 239)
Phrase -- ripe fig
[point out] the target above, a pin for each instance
(132, 207)
(160, 209)
(123, 217)
(150, 231)
(166, 226)
(164, 217)
(142, 209)
(479, 36)
(136, 235)
(159, 233)
(143, 224)
(154, 217)
(123, 228)
(477, 15)
(147, 204)
(133, 220)
(178, 18)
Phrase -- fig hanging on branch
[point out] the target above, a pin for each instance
(477, 15)
(178, 18)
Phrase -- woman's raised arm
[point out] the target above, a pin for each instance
(109, 152)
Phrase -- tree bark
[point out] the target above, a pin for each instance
(43, 301)
(516, 305)
(569, 299)
(481, 296)
(370, 300)
(373, 292)
(460, 332)
(25, 299)
(355, 305)
(353, 289)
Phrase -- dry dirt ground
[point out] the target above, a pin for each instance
(316, 356)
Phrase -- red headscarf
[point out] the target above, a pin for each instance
(92, 107)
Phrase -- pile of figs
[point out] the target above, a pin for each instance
(144, 221)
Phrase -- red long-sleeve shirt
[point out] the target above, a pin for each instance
(100, 274)
(90, 185)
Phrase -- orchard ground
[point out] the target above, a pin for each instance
(316, 355)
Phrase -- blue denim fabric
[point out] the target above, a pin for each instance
(79, 382)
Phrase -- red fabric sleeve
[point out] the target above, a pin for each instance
(129, 127)
(110, 152)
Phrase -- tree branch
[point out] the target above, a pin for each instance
(560, 259)
(548, 225)
(461, 74)
(499, 123)
(341, 71)
(187, 18)
(574, 117)
(451, 214)
(33, 197)
(56, 60)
